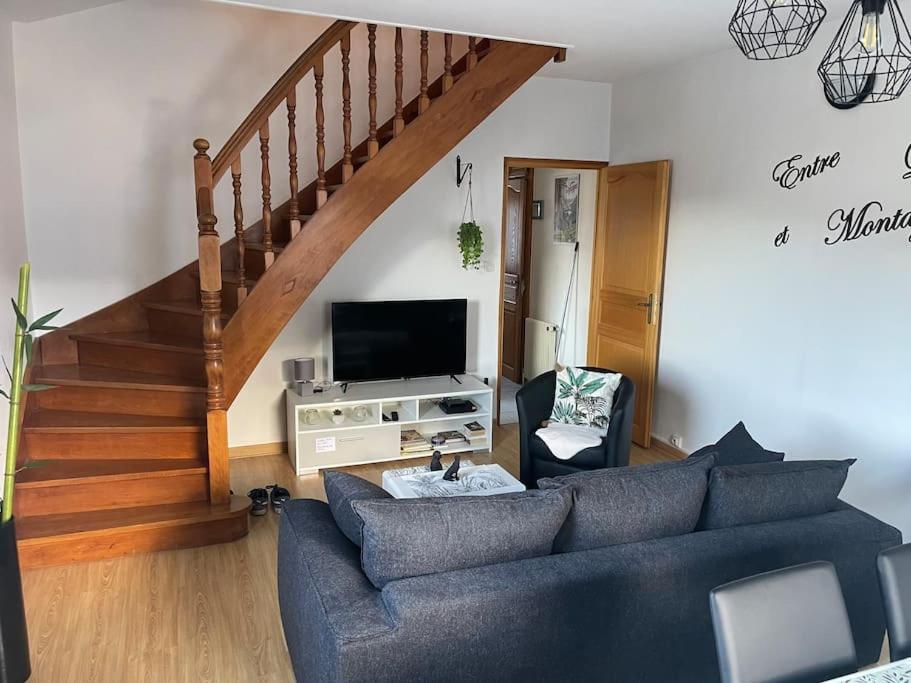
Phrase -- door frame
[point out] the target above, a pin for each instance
(531, 163)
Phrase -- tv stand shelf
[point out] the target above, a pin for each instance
(315, 442)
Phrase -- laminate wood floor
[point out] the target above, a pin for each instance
(203, 614)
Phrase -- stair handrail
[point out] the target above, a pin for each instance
(208, 173)
(277, 95)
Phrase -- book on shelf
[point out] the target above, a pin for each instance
(474, 428)
(451, 436)
(412, 440)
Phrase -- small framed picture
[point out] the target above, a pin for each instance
(566, 209)
(537, 209)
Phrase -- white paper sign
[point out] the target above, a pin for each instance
(325, 444)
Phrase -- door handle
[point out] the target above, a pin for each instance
(651, 305)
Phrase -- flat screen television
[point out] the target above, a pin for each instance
(398, 339)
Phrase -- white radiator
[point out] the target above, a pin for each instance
(540, 348)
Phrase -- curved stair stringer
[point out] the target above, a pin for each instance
(306, 260)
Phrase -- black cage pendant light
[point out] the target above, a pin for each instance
(870, 58)
(775, 29)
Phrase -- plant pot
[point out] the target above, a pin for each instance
(14, 658)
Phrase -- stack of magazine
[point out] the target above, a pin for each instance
(476, 434)
(449, 438)
(413, 441)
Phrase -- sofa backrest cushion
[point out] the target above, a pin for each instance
(414, 537)
(737, 447)
(773, 491)
(631, 504)
(343, 488)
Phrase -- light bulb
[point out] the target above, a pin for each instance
(869, 31)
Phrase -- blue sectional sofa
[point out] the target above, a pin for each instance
(634, 611)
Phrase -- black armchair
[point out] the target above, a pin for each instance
(535, 402)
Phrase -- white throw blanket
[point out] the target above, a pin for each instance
(565, 440)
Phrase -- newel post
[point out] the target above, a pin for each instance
(210, 291)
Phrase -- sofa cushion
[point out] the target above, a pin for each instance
(343, 488)
(737, 447)
(414, 537)
(772, 491)
(630, 504)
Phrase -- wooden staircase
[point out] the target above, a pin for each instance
(133, 439)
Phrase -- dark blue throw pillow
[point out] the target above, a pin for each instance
(737, 447)
(772, 491)
(341, 490)
(419, 536)
(631, 504)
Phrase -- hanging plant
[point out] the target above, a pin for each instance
(471, 244)
(471, 237)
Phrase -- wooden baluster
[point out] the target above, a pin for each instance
(321, 194)
(398, 123)
(267, 194)
(472, 53)
(293, 208)
(213, 350)
(424, 100)
(239, 233)
(347, 165)
(447, 62)
(373, 144)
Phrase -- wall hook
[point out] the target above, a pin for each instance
(460, 172)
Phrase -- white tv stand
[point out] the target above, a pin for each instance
(324, 444)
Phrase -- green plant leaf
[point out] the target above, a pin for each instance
(471, 244)
(592, 387)
(37, 387)
(21, 320)
(6, 367)
(41, 323)
(28, 342)
(4, 394)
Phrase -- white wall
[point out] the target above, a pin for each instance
(13, 250)
(552, 264)
(411, 251)
(110, 101)
(807, 342)
(115, 151)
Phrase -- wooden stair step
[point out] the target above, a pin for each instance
(183, 318)
(303, 218)
(144, 339)
(54, 539)
(65, 421)
(97, 389)
(152, 351)
(187, 307)
(259, 246)
(58, 434)
(72, 486)
(111, 378)
(76, 472)
(255, 258)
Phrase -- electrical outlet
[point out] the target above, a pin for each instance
(676, 441)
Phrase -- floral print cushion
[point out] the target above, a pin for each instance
(583, 397)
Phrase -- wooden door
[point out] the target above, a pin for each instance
(628, 278)
(516, 266)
